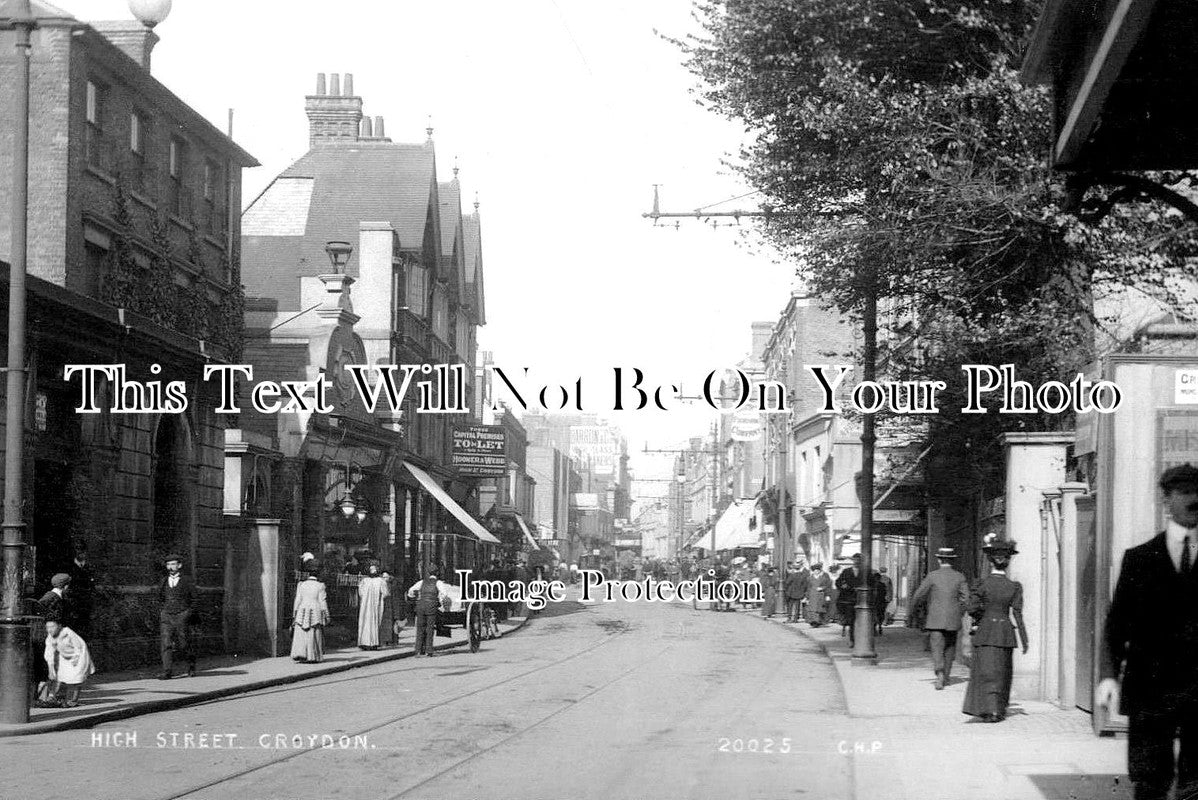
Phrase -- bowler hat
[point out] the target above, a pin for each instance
(946, 552)
(173, 557)
(1180, 476)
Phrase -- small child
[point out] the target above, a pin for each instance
(69, 663)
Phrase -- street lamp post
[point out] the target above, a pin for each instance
(863, 635)
(14, 632)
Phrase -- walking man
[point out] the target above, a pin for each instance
(83, 589)
(1150, 659)
(946, 594)
(888, 589)
(177, 595)
(794, 589)
(428, 594)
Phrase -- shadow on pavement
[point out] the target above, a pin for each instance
(1082, 787)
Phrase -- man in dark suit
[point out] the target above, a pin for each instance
(177, 594)
(83, 590)
(946, 594)
(1150, 658)
(794, 589)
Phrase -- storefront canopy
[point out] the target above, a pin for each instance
(463, 516)
(527, 533)
(732, 531)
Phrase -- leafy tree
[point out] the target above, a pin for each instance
(912, 164)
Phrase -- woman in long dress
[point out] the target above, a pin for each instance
(311, 611)
(994, 602)
(69, 662)
(372, 591)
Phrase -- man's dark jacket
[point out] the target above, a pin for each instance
(1151, 636)
(180, 599)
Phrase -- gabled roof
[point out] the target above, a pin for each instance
(450, 195)
(325, 196)
(472, 291)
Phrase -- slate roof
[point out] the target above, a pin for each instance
(472, 291)
(324, 196)
(450, 195)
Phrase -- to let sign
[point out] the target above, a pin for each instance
(480, 450)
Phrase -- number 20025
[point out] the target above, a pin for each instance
(764, 746)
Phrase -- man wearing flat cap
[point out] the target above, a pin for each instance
(946, 593)
(1150, 654)
(177, 594)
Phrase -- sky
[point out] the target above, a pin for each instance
(561, 115)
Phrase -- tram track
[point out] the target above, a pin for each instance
(569, 706)
(293, 755)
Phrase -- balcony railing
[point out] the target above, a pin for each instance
(438, 351)
(411, 331)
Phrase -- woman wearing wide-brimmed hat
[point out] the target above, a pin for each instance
(995, 601)
(311, 611)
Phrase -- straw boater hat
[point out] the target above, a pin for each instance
(946, 553)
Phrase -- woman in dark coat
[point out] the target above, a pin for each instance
(995, 601)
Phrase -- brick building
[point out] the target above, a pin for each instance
(133, 259)
(415, 273)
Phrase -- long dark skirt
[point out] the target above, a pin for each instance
(989, 689)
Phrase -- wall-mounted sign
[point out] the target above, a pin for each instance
(1185, 387)
(746, 426)
(480, 451)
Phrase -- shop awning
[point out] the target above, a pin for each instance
(732, 530)
(433, 488)
(527, 533)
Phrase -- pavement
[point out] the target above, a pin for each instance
(114, 696)
(915, 742)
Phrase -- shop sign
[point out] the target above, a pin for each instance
(480, 451)
(746, 426)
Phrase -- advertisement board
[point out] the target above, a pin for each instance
(480, 450)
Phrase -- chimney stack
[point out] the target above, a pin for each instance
(378, 127)
(365, 132)
(132, 38)
(334, 117)
(762, 332)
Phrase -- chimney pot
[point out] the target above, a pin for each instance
(365, 129)
(349, 84)
(378, 127)
(320, 85)
(335, 84)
